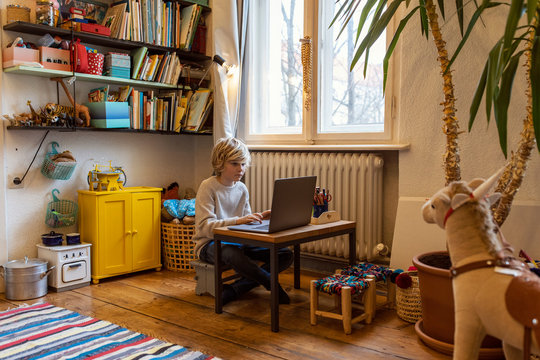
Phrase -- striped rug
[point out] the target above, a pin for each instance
(44, 331)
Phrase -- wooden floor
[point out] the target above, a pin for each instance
(164, 305)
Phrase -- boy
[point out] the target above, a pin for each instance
(223, 200)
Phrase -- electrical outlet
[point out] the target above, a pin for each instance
(12, 185)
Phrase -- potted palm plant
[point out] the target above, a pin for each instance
(496, 83)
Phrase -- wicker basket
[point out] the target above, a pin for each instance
(56, 170)
(60, 213)
(177, 246)
(408, 301)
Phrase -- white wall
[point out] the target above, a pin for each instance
(420, 169)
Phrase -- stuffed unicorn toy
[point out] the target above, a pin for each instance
(494, 293)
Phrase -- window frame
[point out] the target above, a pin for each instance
(310, 118)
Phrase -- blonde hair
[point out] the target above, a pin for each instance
(229, 149)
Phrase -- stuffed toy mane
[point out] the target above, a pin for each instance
(494, 293)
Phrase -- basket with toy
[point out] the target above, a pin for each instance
(408, 301)
(177, 229)
(59, 166)
(61, 213)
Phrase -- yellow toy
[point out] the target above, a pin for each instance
(106, 178)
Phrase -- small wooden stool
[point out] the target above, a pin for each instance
(342, 287)
(382, 276)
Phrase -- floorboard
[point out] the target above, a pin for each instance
(164, 305)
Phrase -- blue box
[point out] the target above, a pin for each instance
(110, 123)
(108, 110)
(117, 72)
(118, 60)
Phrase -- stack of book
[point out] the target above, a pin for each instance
(163, 68)
(158, 22)
(152, 111)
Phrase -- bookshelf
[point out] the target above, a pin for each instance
(188, 57)
(48, 73)
(38, 29)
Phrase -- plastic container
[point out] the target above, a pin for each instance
(44, 13)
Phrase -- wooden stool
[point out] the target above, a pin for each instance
(382, 276)
(342, 287)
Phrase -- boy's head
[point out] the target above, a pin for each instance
(229, 149)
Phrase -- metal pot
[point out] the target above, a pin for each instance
(52, 239)
(25, 279)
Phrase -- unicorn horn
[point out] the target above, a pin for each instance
(483, 189)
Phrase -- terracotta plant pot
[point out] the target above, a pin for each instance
(436, 328)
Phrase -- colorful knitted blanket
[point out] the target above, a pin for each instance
(364, 269)
(333, 284)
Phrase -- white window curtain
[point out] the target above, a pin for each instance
(229, 19)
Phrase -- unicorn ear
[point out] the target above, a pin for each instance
(458, 200)
(493, 198)
(474, 183)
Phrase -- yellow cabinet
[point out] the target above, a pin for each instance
(124, 229)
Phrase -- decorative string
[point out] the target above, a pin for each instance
(307, 62)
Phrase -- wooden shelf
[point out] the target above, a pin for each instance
(66, 129)
(39, 29)
(48, 73)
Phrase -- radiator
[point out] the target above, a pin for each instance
(354, 181)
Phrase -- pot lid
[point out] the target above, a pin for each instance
(51, 235)
(24, 263)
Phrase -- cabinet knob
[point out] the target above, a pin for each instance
(128, 233)
(135, 231)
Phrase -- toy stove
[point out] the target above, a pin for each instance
(72, 265)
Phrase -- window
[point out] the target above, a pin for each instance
(346, 106)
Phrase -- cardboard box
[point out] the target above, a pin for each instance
(108, 110)
(54, 59)
(14, 55)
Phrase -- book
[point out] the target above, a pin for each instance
(186, 20)
(137, 57)
(197, 104)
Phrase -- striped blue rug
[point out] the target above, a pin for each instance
(44, 331)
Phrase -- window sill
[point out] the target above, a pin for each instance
(350, 147)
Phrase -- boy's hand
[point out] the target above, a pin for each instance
(255, 217)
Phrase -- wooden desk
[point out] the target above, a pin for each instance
(275, 241)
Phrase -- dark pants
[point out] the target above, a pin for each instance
(243, 259)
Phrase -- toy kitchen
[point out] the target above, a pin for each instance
(71, 260)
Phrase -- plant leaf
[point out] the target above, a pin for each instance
(424, 19)
(459, 8)
(492, 76)
(341, 9)
(535, 75)
(477, 98)
(349, 18)
(503, 100)
(511, 23)
(375, 30)
(365, 13)
(531, 9)
(470, 27)
(441, 7)
(393, 43)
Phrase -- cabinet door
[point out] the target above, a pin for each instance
(114, 234)
(146, 230)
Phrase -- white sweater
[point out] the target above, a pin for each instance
(218, 205)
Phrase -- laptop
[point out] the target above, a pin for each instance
(291, 206)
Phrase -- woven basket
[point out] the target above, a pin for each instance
(408, 301)
(177, 246)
